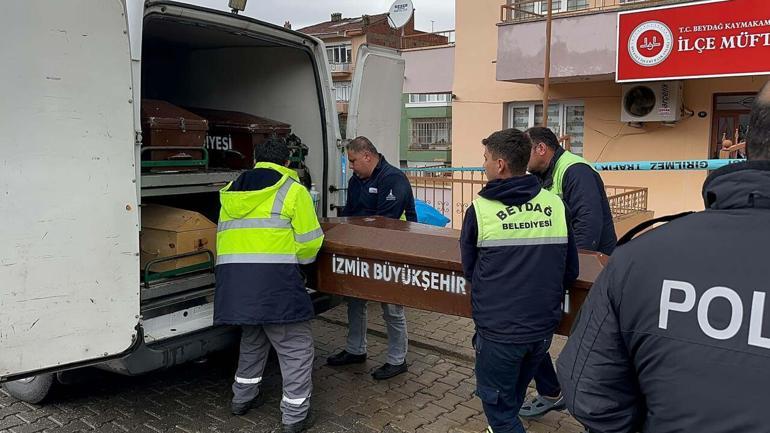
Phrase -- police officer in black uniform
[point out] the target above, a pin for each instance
(675, 333)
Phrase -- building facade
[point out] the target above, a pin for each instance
(499, 69)
(426, 119)
(343, 37)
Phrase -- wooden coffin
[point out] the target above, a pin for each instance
(415, 265)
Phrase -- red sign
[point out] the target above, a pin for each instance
(715, 38)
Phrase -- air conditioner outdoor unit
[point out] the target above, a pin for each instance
(652, 102)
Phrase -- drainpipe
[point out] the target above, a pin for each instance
(547, 76)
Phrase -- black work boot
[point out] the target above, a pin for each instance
(242, 408)
(298, 427)
(389, 370)
(345, 358)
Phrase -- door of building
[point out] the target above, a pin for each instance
(731, 120)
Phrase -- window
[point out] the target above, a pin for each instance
(430, 99)
(433, 133)
(565, 118)
(339, 54)
(342, 90)
(541, 7)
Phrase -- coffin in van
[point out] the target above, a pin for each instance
(167, 125)
(233, 135)
(169, 231)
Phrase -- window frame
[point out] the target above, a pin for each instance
(346, 87)
(430, 146)
(443, 99)
(347, 49)
(562, 108)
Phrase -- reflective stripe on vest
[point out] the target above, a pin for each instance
(307, 237)
(280, 197)
(225, 259)
(254, 223)
(270, 232)
(541, 221)
(565, 161)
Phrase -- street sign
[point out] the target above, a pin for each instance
(716, 38)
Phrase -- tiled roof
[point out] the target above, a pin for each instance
(344, 25)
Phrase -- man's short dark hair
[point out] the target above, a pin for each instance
(362, 144)
(274, 150)
(512, 146)
(539, 134)
(758, 136)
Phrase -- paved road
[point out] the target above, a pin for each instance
(435, 396)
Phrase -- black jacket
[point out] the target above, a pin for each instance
(516, 291)
(260, 293)
(386, 192)
(650, 353)
(586, 198)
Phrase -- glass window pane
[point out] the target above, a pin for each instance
(554, 123)
(520, 117)
(574, 125)
(522, 7)
(342, 90)
(431, 133)
(573, 5)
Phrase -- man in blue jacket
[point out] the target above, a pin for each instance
(573, 179)
(376, 188)
(518, 252)
(675, 333)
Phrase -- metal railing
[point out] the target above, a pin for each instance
(339, 67)
(432, 133)
(449, 190)
(452, 190)
(420, 40)
(626, 200)
(532, 10)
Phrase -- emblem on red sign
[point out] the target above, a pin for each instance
(650, 43)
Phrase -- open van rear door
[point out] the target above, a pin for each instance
(69, 265)
(375, 102)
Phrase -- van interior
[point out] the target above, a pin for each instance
(191, 64)
(199, 64)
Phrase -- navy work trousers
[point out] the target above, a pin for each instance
(503, 372)
(546, 382)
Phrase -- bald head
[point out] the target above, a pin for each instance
(758, 137)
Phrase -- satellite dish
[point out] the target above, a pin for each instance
(400, 13)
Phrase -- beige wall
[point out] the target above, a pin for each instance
(480, 110)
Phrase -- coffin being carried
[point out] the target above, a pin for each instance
(415, 265)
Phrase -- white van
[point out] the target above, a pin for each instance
(71, 184)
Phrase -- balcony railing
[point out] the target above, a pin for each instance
(532, 10)
(625, 200)
(452, 190)
(339, 67)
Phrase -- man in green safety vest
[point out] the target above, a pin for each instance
(267, 228)
(574, 180)
(518, 252)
